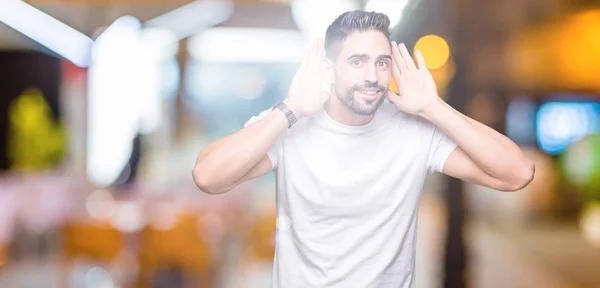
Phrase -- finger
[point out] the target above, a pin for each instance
(305, 58)
(314, 49)
(397, 58)
(321, 49)
(410, 63)
(321, 57)
(396, 73)
(392, 97)
(420, 60)
(398, 77)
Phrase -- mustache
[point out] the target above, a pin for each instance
(374, 85)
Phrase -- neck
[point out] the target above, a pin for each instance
(343, 115)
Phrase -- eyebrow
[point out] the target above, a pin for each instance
(386, 56)
(357, 56)
(363, 56)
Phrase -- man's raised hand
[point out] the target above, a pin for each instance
(415, 83)
(305, 96)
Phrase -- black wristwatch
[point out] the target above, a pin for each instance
(289, 114)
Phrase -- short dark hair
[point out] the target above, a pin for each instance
(350, 22)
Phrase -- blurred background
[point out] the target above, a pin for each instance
(105, 104)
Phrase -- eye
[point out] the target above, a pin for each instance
(382, 64)
(356, 62)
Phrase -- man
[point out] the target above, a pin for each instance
(349, 167)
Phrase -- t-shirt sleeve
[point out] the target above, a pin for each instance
(439, 146)
(275, 151)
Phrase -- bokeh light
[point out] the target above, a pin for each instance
(435, 50)
(589, 223)
(559, 124)
(581, 165)
(392, 8)
(314, 16)
(128, 217)
(100, 205)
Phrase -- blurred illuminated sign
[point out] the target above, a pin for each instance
(520, 121)
(35, 141)
(30, 135)
(559, 124)
(558, 56)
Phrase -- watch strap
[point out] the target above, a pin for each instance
(289, 114)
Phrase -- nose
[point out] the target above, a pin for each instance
(370, 74)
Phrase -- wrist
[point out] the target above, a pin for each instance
(293, 108)
(433, 109)
(287, 112)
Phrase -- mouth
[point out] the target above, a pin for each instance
(368, 94)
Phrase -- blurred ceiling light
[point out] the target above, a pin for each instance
(435, 50)
(51, 33)
(158, 43)
(121, 34)
(125, 96)
(191, 18)
(112, 117)
(259, 45)
(314, 16)
(392, 8)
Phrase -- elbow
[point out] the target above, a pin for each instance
(523, 177)
(205, 181)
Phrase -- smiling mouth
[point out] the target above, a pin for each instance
(369, 91)
(369, 94)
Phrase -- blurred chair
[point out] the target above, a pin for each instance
(179, 245)
(93, 241)
(262, 237)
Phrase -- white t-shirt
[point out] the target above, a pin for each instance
(347, 198)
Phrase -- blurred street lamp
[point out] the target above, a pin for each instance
(314, 16)
(46, 30)
(392, 8)
(194, 17)
(435, 50)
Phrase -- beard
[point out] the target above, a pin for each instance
(359, 106)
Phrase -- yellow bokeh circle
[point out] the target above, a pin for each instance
(435, 50)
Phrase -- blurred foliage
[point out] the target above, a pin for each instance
(35, 140)
(581, 166)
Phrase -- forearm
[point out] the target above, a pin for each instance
(483, 129)
(227, 160)
(494, 153)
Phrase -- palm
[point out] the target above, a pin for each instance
(305, 96)
(417, 89)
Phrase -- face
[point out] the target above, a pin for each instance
(363, 71)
